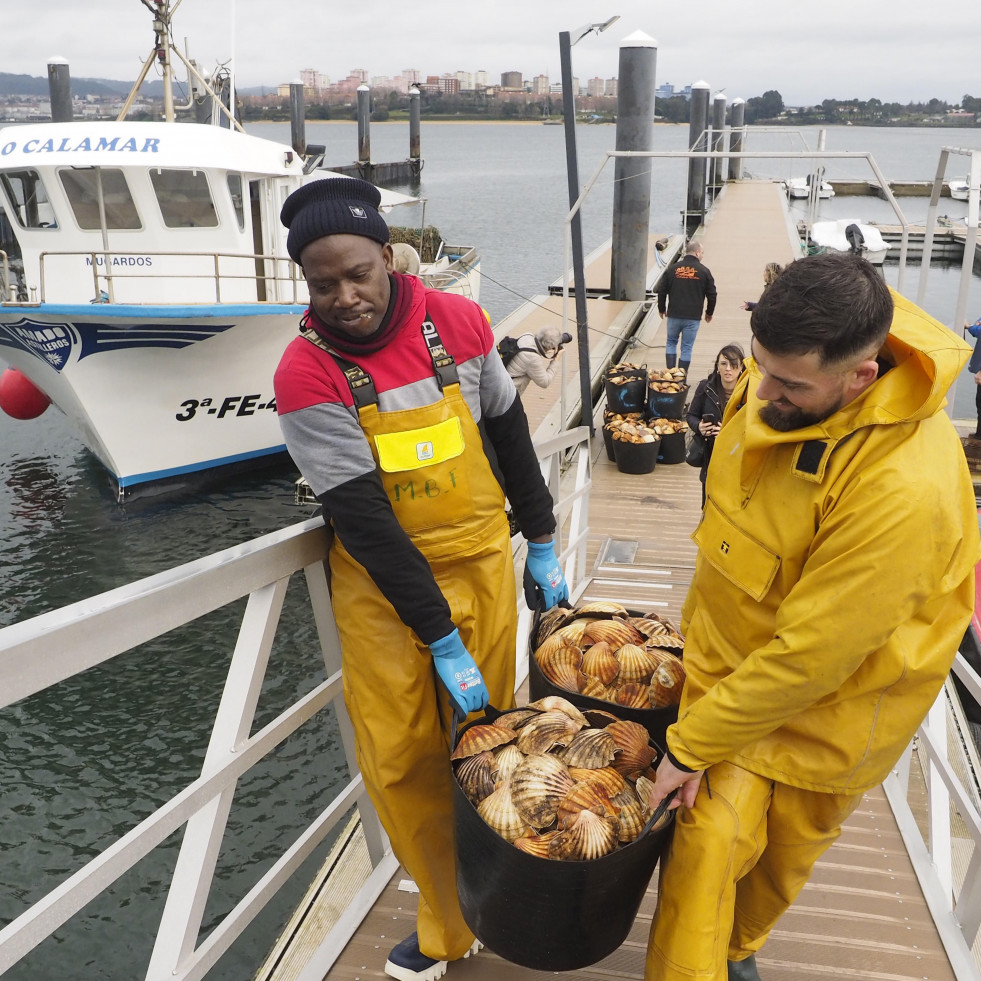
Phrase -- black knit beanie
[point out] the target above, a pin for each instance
(332, 206)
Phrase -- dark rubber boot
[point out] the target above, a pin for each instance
(683, 365)
(669, 360)
(743, 970)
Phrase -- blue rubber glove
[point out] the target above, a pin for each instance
(543, 568)
(459, 673)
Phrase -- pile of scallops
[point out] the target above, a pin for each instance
(557, 782)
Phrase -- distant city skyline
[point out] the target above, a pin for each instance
(845, 50)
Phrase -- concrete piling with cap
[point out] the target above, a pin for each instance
(60, 90)
(718, 141)
(298, 137)
(695, 207)
(415, 117)
(736, 134)
(632, 175)
(364, 136)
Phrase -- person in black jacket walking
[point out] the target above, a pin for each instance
(686, 289)
(705, 410)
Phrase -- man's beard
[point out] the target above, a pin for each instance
(785, 421)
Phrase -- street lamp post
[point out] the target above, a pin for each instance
(566, 41)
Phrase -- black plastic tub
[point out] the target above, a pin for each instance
(543, 914)
(635, 457)
(666, 405)
(672, 448)
(630, 394)
(608, 439)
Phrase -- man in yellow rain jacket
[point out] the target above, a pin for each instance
(834, 582)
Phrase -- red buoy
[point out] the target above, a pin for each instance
(20, 397)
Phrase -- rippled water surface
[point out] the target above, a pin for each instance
(81, 765)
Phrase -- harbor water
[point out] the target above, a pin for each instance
(83, 764)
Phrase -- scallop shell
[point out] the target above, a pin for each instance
(506, 761)
(600, 662)
(635, 751)
(549, 622)
(538, 784)
(599, 719)
(552, 644)
(474, 775)
(556, 703)
(549, 729)
(561, 667)
(595, 688)
(584, 797)
(615, 632)
(636, 664)
(569, 634)
(515, 719)
(666, 685)
(633, 695)
(666, 641)
(644, 786)
(591, 836)
(606, 777)
(633, 817)
(600, 606)
(590, 749)
(500, 814)
(480, 737)
(535, 844)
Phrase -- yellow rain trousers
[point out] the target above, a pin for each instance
(453, 509)
(747, 848)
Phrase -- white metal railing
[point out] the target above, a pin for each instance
(4, 276)
(952, 835)
(44, 651)
(210, 271)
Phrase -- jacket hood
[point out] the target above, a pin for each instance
(924, 358)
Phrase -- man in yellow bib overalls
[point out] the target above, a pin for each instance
(833, 585)
(394, 402)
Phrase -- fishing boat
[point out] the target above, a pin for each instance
(800, 187)
(149, 294)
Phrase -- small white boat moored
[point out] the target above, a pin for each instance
(800, 187)
(850, 235)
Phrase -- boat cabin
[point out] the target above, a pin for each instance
(116, 211)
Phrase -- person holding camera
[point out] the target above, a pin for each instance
(705, 410)
(537, 357)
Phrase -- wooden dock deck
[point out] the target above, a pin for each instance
(862, 915)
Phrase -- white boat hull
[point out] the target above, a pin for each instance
(833, 235)
(162, 398)
(797, 187)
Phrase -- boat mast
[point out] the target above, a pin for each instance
(163, 11)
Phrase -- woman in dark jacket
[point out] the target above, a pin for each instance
(709, 401)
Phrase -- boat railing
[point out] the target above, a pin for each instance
(4, 277)
(47, 650)
(233, 276)
(944, 847)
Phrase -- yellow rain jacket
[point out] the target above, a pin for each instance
(835, 576)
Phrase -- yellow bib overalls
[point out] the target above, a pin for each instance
(445, 496)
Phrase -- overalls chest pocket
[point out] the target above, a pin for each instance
(425, 473)
(742, 559)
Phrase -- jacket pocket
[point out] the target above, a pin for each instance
(417, 448)
(743, 560)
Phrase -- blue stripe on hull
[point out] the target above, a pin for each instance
(144, 311)
(151, 476)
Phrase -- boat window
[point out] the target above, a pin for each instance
(82, 189)
(235, 189)
(184, 198)
(29, 202)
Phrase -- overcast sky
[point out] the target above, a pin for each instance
(897, 51)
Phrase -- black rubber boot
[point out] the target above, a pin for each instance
(743, 970)
(683, 365)
(669, 360)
